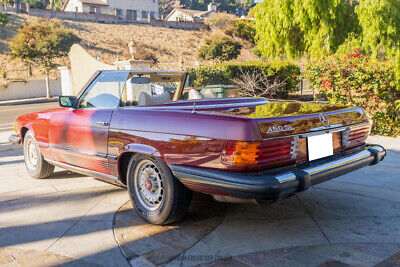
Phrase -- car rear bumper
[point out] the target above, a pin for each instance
(276, 185)
(14, 139)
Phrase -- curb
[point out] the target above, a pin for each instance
(28, 101)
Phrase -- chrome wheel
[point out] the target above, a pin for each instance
(148, 184)
(31, 155)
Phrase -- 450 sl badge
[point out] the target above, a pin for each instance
(278, 129)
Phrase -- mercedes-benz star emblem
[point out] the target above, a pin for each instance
(324, 120)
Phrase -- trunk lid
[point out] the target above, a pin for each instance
(277, 119)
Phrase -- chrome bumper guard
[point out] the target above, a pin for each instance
(273, 186)
(309, 176)
(14, 139)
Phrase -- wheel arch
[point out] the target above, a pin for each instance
(130, 151)
(24, 130)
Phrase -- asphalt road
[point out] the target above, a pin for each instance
(8, 114)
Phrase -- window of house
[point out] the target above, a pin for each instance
(153, 15)
(144, 14)
(131, 15)
(92, 9)
(118, 12)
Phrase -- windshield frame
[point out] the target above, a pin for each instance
(131, 73)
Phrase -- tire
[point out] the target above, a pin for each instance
(35, 164)
(155, 192)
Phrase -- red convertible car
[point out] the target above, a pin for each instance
(144, 130)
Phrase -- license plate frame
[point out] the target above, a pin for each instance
(320, 146)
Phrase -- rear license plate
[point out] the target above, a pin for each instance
(319, 146)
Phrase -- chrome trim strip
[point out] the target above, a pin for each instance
(89, 153)
(42, 144)
(339, 163)
(198, 107)
(326, 127)
(287, 177)
(83, 171)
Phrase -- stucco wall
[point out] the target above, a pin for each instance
(72, 5)
(73, 15)
(138, 5)
(177, 15)
(83, 66)
(29, 89)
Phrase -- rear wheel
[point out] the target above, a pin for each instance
(35, 164)
(154, 191)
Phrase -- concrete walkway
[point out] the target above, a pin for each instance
(67, 218)
(354, 219)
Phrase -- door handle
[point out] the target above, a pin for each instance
(103, 123)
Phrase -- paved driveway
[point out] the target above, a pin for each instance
(66, 218)
(354, 219)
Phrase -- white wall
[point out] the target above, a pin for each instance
(73, 4)
(179, 16)
(29, 89)
(138, 5)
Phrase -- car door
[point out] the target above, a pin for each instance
(79, 136)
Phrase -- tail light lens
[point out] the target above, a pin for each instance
(278, 152)
(240, 154)
(266, 154)
(355, 136)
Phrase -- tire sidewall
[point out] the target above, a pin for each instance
(32, 172)
(159, 215)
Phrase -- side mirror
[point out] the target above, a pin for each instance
(68, 101)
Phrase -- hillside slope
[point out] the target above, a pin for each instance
(109, 42)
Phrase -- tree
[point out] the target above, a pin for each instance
(220, 48)
(221, 20)
(3, 21)
(380, 23)
(230, 6)
(165, 7)
(42, 42)
(291, 27)
(7, 2)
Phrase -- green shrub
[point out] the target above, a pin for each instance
(355, 79)
(221, 21)
(3, 19)
(220, 48)
(242, 29)
(224, 73)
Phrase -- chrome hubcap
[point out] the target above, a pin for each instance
(148, 184)
(31, 154)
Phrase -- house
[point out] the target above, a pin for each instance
(128, 10)
(180, 14)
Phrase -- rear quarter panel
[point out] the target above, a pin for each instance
(177, 137)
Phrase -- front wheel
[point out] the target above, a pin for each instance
(35, 164)
(154, 191)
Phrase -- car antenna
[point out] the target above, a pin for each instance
(194, 107)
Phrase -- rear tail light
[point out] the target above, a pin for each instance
(278, 152)
(355, 135)
(268, 153)
(240, 154)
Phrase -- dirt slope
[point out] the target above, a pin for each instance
(109, 42)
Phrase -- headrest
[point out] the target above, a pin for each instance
(147, 100)
(209, 94)
(194, 95)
